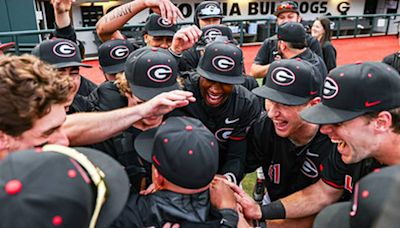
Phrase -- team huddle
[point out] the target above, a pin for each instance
(167, 138)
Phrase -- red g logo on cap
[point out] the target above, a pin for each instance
(283, 76)
(211, 34)
(223, 63)
(119, 52)
(64, 49)
(163, 23)
(159, 73)
(331, 89)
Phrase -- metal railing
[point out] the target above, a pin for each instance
(353, 25)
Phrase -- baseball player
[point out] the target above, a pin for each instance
(159, 29)
(364, 129)
(149, 72)
(286, 11)
(184, 158)
(226, 108)
(34, 98)
(289, 149)
(58, 186)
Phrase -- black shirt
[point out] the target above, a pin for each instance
(393, 60)
(329, 55)
(316, 61)
(156, 209)
(339, 175)
(229, 122)
(287, 168)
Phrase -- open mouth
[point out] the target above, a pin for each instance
(340, 144)
(280, 125)
(214, 100)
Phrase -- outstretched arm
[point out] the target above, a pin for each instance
(107, 27)
(89, 128)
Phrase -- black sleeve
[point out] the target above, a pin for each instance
(389, 59)
(265, 53)
(189, 60)
(393, 60)
(334, 170)
(65, 33)
(131, 215)
(329, 52)
(314, 45)
(226, 218)
(235, 158)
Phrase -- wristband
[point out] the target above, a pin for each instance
(173, 53)
(230, 217)
(274, 210)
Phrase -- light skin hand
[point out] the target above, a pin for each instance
(61, 12)
(166, 102)
(222, 195)
(166, 9)
(185, 38)
(250, 208)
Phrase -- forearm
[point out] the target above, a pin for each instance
(89, 128)
(310, 200)
(117, 18)
(259, 71)
(62, 19)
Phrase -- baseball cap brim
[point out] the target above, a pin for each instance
(277, 96)
(6, 46)
(117, 184)
(146, 93)
(114, 68)
(276, 13)
(336, 215)
(322, 114)
(210, 16)
(70, 64)
(161, 33)
(235, 80)
(144, 144)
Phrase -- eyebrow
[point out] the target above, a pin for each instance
(53, 129)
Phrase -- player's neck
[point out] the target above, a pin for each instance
(389, 150)
(304, 135)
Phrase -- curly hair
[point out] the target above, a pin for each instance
(28, 89)
(122, 84)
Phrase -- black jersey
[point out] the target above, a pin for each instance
(229, 122)
(269, 49)
(108, 97)
(393, 60)
(287, 168)
(339, 175)
(329, 55)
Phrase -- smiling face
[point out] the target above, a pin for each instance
(286, 119)
(317, 30)
(146, 123)
(355, 139)
(287, 17)
(158, 41)
(214, 93)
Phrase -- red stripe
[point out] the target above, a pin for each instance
(332, 184)
(236, 138)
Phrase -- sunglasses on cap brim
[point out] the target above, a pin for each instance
(288, 5)
(96, 175)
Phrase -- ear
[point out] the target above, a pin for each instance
(145, 38)
(299, 19)
(383, 121)
(5, 141)
(314, 101)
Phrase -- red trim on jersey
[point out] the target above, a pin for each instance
(332, 184)
(237, 138)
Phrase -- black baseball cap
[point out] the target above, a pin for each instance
(183, 150)
(151, 71)
(286, 6)
(60, 53)
(209, 9)
(290, 82)
(158, 26)
(222, 62)
(5, 46)
(353, 90)
(212, 32)
(292, 32)
(371, 194)
(113, 54)
(45, 188)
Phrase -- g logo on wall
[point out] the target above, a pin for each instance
(211, 34)
(283, 76)
(119, 52)
(159, 73)
(163, 23)
(331, 88)
(64, 49)
(223, 134)
(223, 63)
